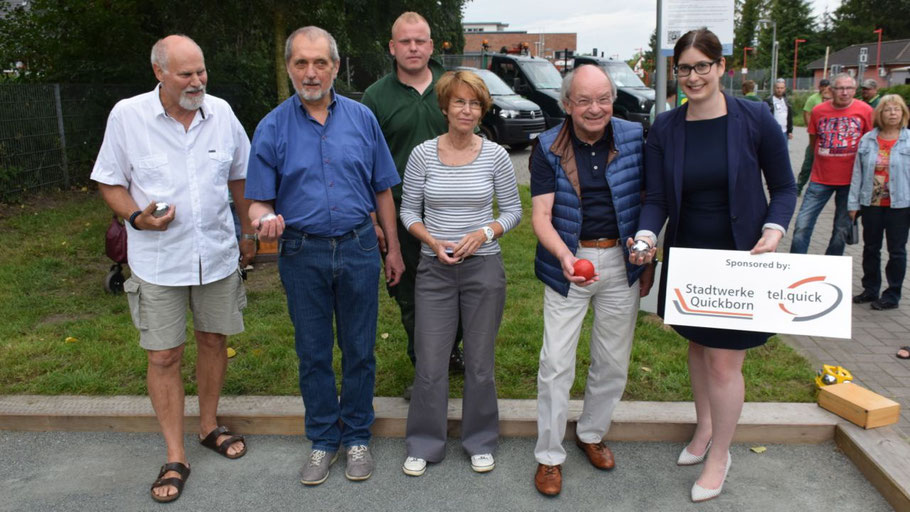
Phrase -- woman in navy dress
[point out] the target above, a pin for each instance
(704, 164)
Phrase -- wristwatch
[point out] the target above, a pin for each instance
(249, 236)
(488, 233)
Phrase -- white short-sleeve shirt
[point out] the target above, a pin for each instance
(156, 159)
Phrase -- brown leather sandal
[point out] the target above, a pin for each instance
(211, 442)
(180, 468)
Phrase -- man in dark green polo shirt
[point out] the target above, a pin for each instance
(404, 102)
(870, 92)
(749, 91)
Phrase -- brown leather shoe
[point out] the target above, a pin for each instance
(600, 456)
(548, 479)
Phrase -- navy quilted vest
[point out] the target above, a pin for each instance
(623, 177)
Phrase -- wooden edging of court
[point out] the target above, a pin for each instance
(880, 454)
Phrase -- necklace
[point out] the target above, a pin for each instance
(471, 146)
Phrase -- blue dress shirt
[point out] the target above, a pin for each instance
(323, 178)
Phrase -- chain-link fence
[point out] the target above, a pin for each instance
(764, 83)
(50, 133)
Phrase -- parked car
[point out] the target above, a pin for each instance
(534, 78)
(634, 98)
(513, 120)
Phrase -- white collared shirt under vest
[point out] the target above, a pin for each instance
(156, 159)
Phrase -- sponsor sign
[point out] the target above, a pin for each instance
(785, 293)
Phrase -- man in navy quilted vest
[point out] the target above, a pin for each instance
(586, 181)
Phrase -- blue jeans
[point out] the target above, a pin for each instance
(814, 201)
(323, 277)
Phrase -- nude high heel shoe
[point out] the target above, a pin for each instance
(687, 459)
(699, 493)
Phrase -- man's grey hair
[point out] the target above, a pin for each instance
(843, 75)
(781, 81)
(159, 51)
(312, 33)
(566, 86)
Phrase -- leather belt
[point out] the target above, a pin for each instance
(600, 243)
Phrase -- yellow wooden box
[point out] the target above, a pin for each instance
(859, 405)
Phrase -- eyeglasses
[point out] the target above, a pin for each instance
(844, 89)
(700, 68)
(460, 104)
(603, 101)
(892, 110)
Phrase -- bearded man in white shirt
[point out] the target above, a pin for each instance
(179, 146)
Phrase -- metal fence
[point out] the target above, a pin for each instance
(763, 81)
(50, 133)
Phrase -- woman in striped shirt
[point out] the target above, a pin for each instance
(447, 203)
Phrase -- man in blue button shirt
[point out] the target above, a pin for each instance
(318, 166)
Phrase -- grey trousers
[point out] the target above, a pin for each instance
(475, 292)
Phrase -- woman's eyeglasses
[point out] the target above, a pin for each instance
(700, 68)
(460, 104)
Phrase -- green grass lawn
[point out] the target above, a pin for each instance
(52, 264)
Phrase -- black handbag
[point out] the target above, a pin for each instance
(852, 236)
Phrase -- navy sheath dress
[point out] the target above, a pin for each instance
(704, 218)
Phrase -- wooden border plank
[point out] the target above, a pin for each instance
(882, 457)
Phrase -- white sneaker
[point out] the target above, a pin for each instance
(482, 463)
(414, 466)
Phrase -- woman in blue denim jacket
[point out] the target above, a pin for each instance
(880, 193)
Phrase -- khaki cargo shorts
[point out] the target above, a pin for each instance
(159, 312)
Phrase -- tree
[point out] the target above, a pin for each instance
(854, 21)
(243, 41)
(748, 13)
(794, 21)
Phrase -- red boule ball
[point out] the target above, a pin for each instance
(585, 269)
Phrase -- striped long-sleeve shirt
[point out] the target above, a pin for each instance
(453, 201)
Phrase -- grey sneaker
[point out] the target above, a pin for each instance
(360, 463)
(316, 469)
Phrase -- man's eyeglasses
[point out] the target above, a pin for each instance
(700, 68)
(847, 88)
(460, 104)
(603, 101)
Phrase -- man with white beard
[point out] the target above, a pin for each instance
(179, 146)
(318, 166)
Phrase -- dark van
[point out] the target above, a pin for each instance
(534, 78)
(512, 120)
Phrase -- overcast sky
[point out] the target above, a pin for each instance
(612, 26)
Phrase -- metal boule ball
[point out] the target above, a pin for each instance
(161, 209)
